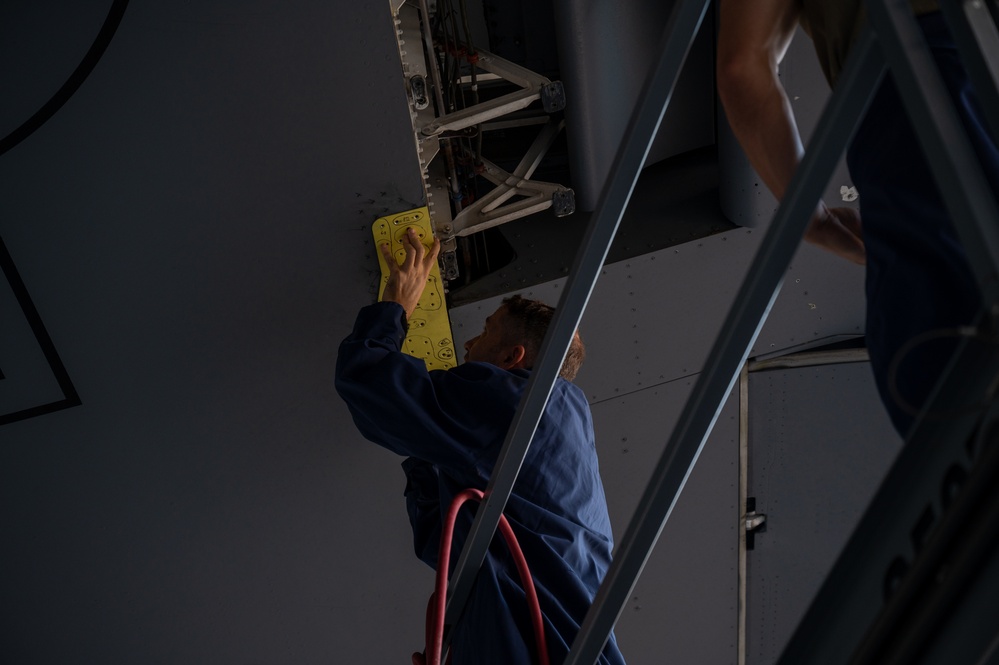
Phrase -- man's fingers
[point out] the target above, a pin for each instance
(416, 253)
(414, 250)
(390, 261)
(432, 256)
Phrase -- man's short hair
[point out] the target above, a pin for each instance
(527, 321)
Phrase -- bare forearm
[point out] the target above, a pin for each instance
(761, 119)
(753, 37)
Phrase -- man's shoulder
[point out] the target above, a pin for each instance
(570, 390)
(568, 404)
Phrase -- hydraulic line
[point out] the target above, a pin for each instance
(435, 611)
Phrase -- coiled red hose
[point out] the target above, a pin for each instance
(435, 610)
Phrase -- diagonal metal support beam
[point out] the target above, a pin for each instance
(863, 72)
(473, 115)
(510, 71)
(679, 34)
(531, 85)
(486, 212)
(538, 197)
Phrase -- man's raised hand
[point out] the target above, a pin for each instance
(407, 281)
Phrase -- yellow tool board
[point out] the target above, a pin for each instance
(429, 335)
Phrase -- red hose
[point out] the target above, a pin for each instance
(435, 611)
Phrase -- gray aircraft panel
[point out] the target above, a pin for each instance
(194, 228)
(819, 445)
(653, 318)
(684, 608)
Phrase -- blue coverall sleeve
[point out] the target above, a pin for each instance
(442, 417)
(423, 503)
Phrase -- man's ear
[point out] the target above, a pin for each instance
(514, 357)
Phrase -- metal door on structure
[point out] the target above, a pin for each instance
(819, 444)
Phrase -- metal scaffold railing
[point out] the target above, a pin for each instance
(853, 619)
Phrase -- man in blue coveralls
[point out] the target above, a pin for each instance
(450, 425)
(920, 289)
